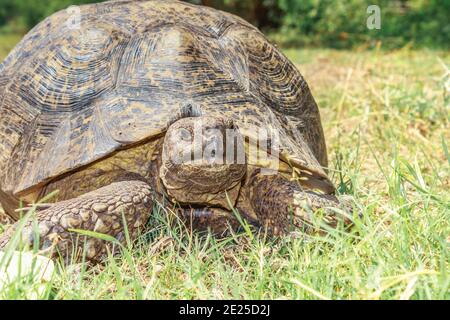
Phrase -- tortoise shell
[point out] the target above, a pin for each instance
(73, 94)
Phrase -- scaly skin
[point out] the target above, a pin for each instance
(283, 206)
(101, 211)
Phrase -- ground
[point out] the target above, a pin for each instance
(386, 119)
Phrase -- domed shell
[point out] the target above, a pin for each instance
(71, 94)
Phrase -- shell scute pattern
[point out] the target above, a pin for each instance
(128, 73)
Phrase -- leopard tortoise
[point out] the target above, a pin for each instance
(99, 109)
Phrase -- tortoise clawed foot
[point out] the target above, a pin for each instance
(74, 227)
(283, 207)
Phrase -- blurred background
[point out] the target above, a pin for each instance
(291, 23)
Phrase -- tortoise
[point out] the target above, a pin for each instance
(101, 109)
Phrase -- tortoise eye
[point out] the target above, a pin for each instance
(185, 135)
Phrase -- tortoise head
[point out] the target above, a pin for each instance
(203, 161)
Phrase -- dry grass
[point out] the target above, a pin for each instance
(382, 104)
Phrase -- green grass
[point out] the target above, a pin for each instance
(385, 116)
(7, 43)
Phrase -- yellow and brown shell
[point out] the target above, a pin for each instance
(71, 94)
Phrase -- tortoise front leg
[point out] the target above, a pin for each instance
(283, 206)
(102, 211)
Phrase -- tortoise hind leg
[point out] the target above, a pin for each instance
(102, 211)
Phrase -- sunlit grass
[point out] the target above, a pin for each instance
(385, 116)
(7, 43)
